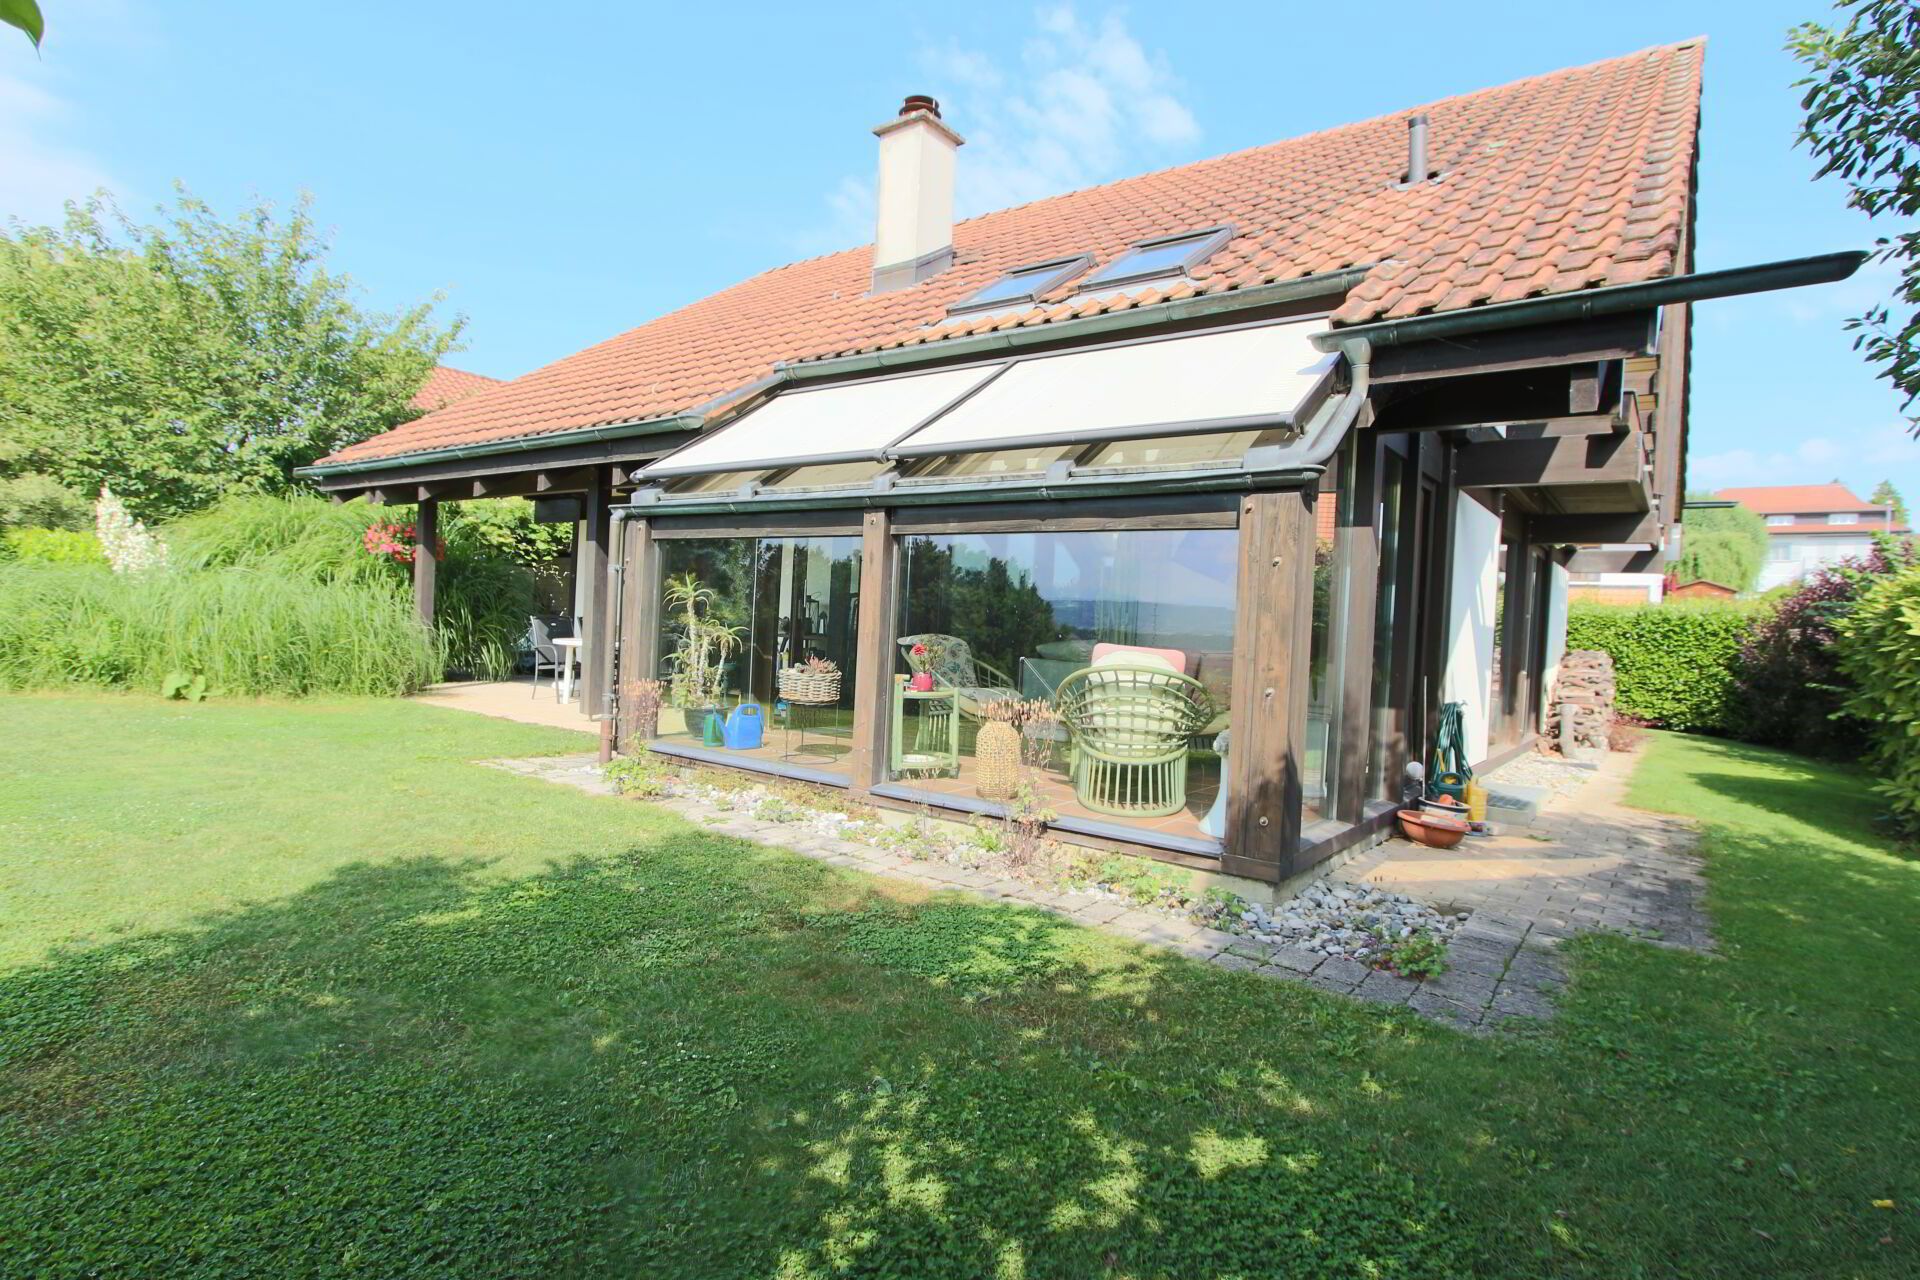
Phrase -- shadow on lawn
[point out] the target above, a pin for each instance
(702, 1058)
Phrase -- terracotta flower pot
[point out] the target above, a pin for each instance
(1433, 830)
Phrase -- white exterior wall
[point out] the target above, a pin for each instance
(1791, 559)
(1470, 619)
(1557, 581)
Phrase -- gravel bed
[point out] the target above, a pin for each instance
(1536, 770)
(1349, 922)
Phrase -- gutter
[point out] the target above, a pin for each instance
(1790, 274)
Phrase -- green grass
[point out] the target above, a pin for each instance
(299, 990)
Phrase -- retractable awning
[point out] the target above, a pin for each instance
(847, 422)
(1238, 380)
(1257, 378)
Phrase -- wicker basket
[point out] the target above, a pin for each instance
(996, 760)
(797, 684)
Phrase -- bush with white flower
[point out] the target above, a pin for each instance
(130, 546)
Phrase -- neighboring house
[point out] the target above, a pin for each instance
(1811, 526)
(447, 386)
(1245, 467)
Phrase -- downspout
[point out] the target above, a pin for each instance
(616, 597)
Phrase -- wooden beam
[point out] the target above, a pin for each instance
(1274, 621)
(873, 655)
(1594, 560)
(1633, 528)
(634, 451)
(1490, 399)
(426, 557)
(597, 627)
(1356, 558)
(1572, 342)
(638, 605)
(1562, 460)
(570, 481)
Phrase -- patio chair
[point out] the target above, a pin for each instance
(541, 634)
(1131, 723)
(954, 667)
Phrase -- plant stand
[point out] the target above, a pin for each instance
(936, 738)
(802, 716)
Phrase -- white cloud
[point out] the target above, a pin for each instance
(1860, 461)
(1089, 104)
(1085, 103)
(39, 173)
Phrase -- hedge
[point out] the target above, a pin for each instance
(1879, 650)
(1673, 663)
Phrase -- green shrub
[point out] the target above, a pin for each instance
(482, 598)
(1878, 648)
(53, 546)
(242, 631)
(1673, 662)
(40, 502)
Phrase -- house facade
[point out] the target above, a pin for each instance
(1174, 509)
(1811, 526)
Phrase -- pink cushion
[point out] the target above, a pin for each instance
(1111, 653)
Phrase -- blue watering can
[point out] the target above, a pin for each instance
(745, 728)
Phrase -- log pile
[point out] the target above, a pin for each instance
(1582, 705)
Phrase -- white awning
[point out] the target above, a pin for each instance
(840, 423)
(1240, 379)
(1253, 379)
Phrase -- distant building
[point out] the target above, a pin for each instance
(1810, 526)
(1702, 589)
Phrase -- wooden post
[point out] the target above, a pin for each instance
(426, 547)
(639, 627)
(596, 628)
(1357, 560)
(873, 686)
(1274, 633)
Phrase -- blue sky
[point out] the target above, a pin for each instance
(567, 173)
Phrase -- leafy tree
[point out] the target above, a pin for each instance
(1885, 495)
(1863, 123)
(180, 362)
(1727, 545)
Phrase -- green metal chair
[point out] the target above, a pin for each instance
(1131, 726)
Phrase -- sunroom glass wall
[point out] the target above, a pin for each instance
(757, 648)
(1093, 670)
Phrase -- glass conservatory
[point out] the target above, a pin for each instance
(1108, 585)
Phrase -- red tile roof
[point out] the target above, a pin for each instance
(446, 385)
(1796, 499)
(1565, 181)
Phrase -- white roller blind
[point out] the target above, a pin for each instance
(1208, 382)
(828, 424)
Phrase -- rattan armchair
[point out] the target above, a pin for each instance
(1131, 727)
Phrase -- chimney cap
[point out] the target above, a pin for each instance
(921, 102)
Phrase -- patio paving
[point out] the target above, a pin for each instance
(1585, 862)
(515, 699)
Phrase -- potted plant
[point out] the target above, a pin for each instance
(814, 681)
(920, 658)
(698, 679)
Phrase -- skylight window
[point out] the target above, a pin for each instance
(1162, 256)
(1024, 284)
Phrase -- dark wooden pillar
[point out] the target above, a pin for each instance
(596, 627)
(1357, 564)
(638, 608)
(426, 546)
(1266, 756)
(873, 686)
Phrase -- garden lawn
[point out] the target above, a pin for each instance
(297, 989)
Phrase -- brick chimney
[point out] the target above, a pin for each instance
(913, 239)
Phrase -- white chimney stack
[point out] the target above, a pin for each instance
(914, 238)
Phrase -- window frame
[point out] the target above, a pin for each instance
(1057, 272)
(1207, 241)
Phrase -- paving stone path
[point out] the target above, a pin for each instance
(1586, 862)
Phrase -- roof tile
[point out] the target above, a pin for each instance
(1568, 180)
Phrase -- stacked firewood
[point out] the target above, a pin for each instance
(1581, 709)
